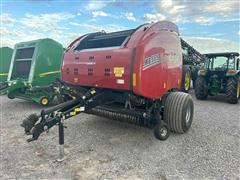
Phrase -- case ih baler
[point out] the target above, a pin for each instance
(131, 76)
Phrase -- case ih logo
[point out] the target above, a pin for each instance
(151, 61)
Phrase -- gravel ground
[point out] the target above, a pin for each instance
(98, 148)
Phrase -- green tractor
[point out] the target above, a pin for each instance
(221, 74)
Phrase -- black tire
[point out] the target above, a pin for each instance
(194, 75)
(185, 70)
(10, 95)
(194, 83)
(178, 111)
(161, 131)
(232, 90)
(201, 90)
(29, 122)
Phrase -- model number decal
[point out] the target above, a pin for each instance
(151, 61)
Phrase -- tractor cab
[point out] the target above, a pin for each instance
(222, 61)
(220, 74)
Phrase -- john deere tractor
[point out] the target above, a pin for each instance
(221, 74)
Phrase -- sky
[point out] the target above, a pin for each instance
(207, 25)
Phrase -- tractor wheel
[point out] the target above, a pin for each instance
(186, 79)
(178, 111)
(44, 101)
(233, 90)
(161, 131)
(201, 91)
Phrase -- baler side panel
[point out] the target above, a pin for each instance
(108, 68)
(155, 80)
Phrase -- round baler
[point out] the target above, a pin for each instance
(132, 76)
(34, 65)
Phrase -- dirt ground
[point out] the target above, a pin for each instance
(99, 148)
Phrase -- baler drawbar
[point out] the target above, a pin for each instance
(88, 100)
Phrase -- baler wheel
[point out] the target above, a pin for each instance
(178, 111)
(10, 95)
(201, 91)
(44, 101)
(161, 131)
(233, 90)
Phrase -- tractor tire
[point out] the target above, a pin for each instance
(201, 91)
(178, 111)
(186, 79)
(233, 90)
(161, 131)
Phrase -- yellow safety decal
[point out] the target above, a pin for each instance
(3, 74)
(47, 73)
(134, 80)
(73, 113)
(76, 110)
(118, 71)
(93, 91)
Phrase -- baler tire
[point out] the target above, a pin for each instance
(10, 96)
(186, 76)
(232, 90)
(44, 101)
(201, 91)
(161, 131)
(178, 111)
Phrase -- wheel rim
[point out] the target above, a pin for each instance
(188, 114)
(187, 80)
(163, 131)
(44, 101)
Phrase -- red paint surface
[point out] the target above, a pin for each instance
(159, 38)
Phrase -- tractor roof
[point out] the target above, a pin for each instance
(227, 54)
